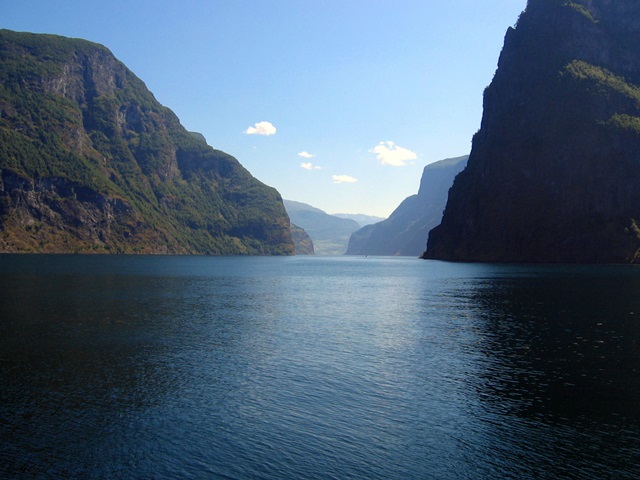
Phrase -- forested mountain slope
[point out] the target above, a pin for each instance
(91, 162)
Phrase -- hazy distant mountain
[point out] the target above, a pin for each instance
(330, 234)
(91, 162)
(362, 220)
(303, 245)
(405, 232)
(554, 171)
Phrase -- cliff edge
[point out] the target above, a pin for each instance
(554, 170)
(405, 232)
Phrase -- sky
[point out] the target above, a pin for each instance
(336, 103)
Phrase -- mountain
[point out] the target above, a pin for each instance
(362, 220)
(91, 162)
(301, 241)
(330, 234)
(405, 231)
(554, 171)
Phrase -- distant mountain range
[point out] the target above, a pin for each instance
(90, 162)
(330, 233)
(405, 232)
(361, 219)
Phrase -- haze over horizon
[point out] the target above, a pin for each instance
(339, 105)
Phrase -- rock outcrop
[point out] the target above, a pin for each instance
(301, 241)
(405, 231)
(91, 162)
(554, 171)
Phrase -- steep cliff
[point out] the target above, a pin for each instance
(554, 171)
(405, 231)
(91, 162)
(301, 241)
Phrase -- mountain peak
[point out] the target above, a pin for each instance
(91, 162)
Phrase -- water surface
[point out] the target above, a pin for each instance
(317, 368)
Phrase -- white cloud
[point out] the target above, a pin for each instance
(261, 128)
(306, 155)
(343, 179)
(388, 153)
(310, 166)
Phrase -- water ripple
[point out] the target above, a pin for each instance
(316, 368)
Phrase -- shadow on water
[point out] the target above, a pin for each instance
(559, 354)
(110, 367)
(314, 368)
(80, 354)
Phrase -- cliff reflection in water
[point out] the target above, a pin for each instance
(81, 354)
(561, 355)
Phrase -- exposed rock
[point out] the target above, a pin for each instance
(302, 241)
(91, 162)
(554, 170)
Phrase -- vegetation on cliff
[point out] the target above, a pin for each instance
(91, 162)
(554, 169)
(302, 241)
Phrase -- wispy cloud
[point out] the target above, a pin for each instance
(310, 166)
(306, 155)
(261, 128)
(343, 179)
(388, 153)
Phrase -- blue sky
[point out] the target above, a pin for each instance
(336, 103)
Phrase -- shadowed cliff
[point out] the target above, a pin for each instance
(554, 170)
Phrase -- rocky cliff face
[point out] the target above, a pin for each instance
(91, 162)
(405, 231)
(554, 170)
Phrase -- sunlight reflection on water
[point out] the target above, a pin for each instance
(191, 367)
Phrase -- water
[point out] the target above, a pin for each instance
(316, 368)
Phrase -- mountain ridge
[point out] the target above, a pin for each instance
(406, 230)
(90, 162)
(362, 219)
(330, 234)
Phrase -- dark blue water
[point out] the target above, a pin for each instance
(316, 368)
